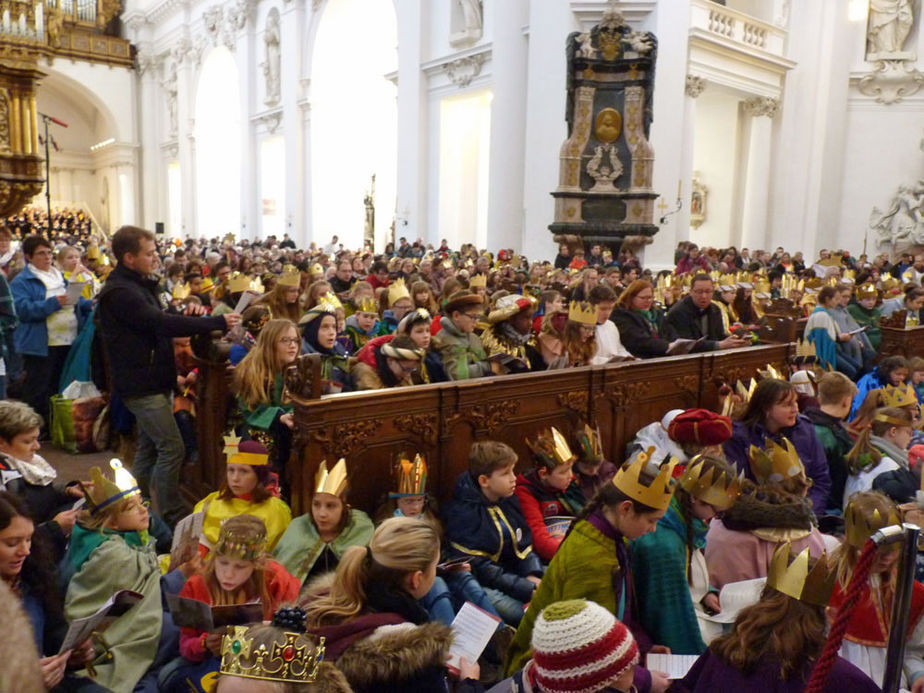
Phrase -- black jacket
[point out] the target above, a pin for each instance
(137, 334)
(684, 318)
(637, 335)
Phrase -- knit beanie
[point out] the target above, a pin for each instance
(579, 646)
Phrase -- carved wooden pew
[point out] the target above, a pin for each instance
(903, 341)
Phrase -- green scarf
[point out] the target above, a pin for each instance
(85, 541)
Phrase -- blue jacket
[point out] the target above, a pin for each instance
(494, 537)
(32, 309)
(869, 382)
(804, 439)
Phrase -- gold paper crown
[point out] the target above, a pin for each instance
(718, 491)
(396, 291)
(104, 492)
(367, 304)
(583, 313)
(769, 371)
(551, 449)
(233, 454)
(239, 283)
(867, 290)
(833, 261)
(775, 462)
(859, 527)
(590, 442)
(289, 278)
(794, 579)
(657, 495)
(478, 280)
(411, 477)
(762, 286)
(293, 661)
(207, 285)
(331, 301)
(242, 547)
(898, 396)
(181, 291)
(744, 279)
(316, 268)
(849, 275)
(806, 350)
(745, 393)
(334, 481)
(727, 282)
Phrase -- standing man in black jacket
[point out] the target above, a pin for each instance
(695, 317)
(138, 338)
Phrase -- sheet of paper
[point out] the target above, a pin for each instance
(187, 530)
(859, 330)
(245, 300)
(735, 596)
(472, 628)
(675, 666)
(74, 291)
(81, 628)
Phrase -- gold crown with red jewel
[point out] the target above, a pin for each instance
(296, 659)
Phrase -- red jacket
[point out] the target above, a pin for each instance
(539, 502)
(281, 586)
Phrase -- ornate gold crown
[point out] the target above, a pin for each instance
(551, 449)
(367, 304)
(396, 291)
(796, 580)
(583, 313)
(411, 477)
(591, 443)
(775, 462)
(478, 280)
(297, 660)
(714, 487)
(234, 455)
(806, 350)
(898, 396)
(181, 291)
(334, 481)
(104, 492)
(859, 527)
(658, 495)
(245, 548)
(867, 290)
(290, 278)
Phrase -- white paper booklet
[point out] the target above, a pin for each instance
(74, 291)
(472, 629)
(675, 666)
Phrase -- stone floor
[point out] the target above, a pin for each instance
(72, 467)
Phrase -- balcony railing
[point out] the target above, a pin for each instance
(727, 25)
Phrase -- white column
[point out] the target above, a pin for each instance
(508, 111)
(411, 212)
(755, 198)
(185, 106)
(247, 65)
(291, 25)
(693, 88)
(151, 207)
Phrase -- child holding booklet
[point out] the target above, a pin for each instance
(244, 491)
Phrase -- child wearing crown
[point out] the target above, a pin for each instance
(283, 301)
(362, 325)
(236, 571)
(892, 370)
(314, 542)
(594, 563)
(579, 341)
(671, 578)
(591, 470)
(881, 448)
(398, 303)
(774, 644)
(110, 550)
(740, 544)
(868, 629)
(244, 490)
(549, 495)
(319, 336)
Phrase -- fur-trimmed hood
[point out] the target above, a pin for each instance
(774, 510)
(395, 654)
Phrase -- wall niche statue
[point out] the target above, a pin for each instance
(889, 24)
(271, 68)
(466, 22)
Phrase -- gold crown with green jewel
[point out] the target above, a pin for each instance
(714, 486)
(655, 495)
(795, 579)
(775, 462)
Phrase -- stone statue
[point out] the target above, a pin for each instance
(271, 70)
(604, 167)
(54, 24)
(471, 12)
(903, 222)
(890, 22)
(170, 87)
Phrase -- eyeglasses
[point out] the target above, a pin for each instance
(473, 316)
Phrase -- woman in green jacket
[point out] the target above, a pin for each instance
(671, 579)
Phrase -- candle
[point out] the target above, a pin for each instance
(678, 188)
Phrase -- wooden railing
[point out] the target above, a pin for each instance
(441, 421)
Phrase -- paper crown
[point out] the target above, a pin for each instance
(316, 268)
(207, 285)
(762, 287)
(328, 304)
(240, 283)
(289, 278)
(775, 462)
(367, 304)
(249, 452)
(770, 371)
(726, 282)
(583, 313)
(658, 494)
(181, 291)
(591, 443)
(231, 544)
(745, 393)
(714, 487)
(332, 481)
(898, 396)
(296, 660)
(551, 449)
(858, 526)
(867, 290)
(396, 291)
(410, 477)
(805, 352)
(104, 492)
(478, 280)
(794, 579)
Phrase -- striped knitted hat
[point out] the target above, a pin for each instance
(579, 646)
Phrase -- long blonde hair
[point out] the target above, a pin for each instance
(279, 308)
(400, 546)
(255, 375)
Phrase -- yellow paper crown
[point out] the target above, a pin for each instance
(104, 492)
(745, 393)
(714, 487)
(332, 481)
(898, 396)
(181, 291)
(805, 349)
(583, 313)
(813, 586)
(411, 477)
(316, 268)
(727, 282)
(659, 493)
(770, 371)
(858, 527)
(296, 660)
(478, 280)
(239, 283)
(396, 291)
(775, 462)
(762, 286)
(551, 449)
(289, 278)
(367, 304)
